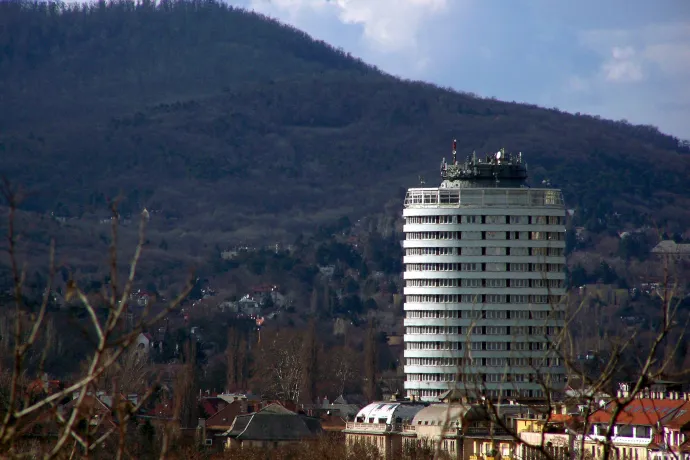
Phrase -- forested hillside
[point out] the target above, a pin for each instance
(233, 127)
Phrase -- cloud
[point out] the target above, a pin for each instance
(388, 26)
(623, 66)
(673, 59)
(663, 48)
(639, 73)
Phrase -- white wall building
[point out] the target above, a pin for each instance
(484, 283)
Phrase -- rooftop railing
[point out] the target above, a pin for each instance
(363, 426)
(421, 197)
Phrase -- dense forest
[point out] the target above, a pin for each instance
(228, 123)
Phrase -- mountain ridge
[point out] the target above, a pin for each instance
(238, 127)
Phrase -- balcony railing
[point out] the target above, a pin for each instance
(377, 427)
(619, 440)
(475, 431)
(419, 197)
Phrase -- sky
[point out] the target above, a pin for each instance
(620, 59)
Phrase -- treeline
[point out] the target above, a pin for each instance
(300, 365)
(208, 103)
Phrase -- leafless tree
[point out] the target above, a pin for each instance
(279, 367)
(344, 367)
(654, 357)
(370, 360)
(237, 360)
(130, 373)
(111, 343)
(310, 362)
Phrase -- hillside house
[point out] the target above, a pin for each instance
(145, 342)
(608, 294)
(248, 305)
(672, 249)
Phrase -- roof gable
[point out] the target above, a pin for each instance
(275, 408)
(226, 416)
(274, 423)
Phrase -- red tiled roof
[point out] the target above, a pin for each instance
(223, 418)
(161, 410)
(211, 405)
(678, 420)
(644, 412)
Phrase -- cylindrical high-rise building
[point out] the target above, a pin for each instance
(484, 283)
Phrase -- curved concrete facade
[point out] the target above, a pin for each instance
(484, 291)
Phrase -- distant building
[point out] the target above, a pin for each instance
(459, 429)
(380, 424)
(672, 249)
(484, 275)
(606, 293)
(273, 426)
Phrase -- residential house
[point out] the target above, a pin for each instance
(340, 326)
(44, 385)
(605, 293)
(268, 292)
(145, 341)
(327, 270)
(98, 413)
(221, 410)
(222, 419)
(469, 431)
(640, 428)
(672, 442)
(333, 426)
(380, 424)
(249, 306)
(341, 407)
(460, 429)
(141, 297)
(437, 426)
(272, 426)
(553, 432)
(669, 248)
(210, 405)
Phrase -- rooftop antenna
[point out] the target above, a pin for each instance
(455, 144)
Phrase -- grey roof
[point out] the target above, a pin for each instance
(440, 414)
(671, 247)
(274, 423)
